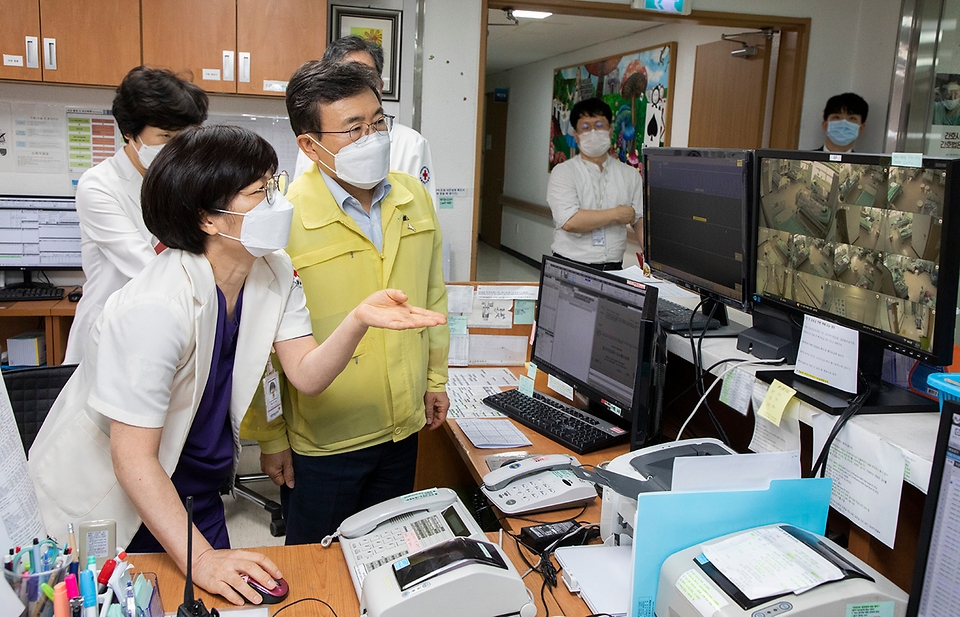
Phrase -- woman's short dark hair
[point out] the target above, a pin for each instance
(157, 97)
(318, 83)
(199, 172)
(594, 107)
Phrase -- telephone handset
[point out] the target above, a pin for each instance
(537, 484)
(397, 527)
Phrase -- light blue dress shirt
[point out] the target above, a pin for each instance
(370, 224)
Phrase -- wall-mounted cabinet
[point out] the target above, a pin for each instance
(234, 46)
(88, 42)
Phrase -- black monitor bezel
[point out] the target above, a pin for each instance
(40, 268)
(931, 503)
(641, 388)
(708, 289)
(941, 353)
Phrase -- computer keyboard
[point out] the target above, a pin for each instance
(18, 294)
(562, 423)
(674, 317)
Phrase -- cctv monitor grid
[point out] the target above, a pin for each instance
(861, 242)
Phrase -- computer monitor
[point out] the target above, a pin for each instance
(698, 208)
(39, 233)
(595, 331)
(935, 571)
(858, 241)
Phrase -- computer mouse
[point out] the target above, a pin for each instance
(270, 596)
(74, 296)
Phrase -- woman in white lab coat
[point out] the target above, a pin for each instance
(153, 412)
(151, 106)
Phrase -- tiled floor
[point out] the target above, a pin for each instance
(249, 524)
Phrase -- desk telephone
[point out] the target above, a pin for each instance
(397, 527)
(537, 484)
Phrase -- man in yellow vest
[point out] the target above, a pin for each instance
(357, 227)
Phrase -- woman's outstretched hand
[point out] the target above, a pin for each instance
(388, 309)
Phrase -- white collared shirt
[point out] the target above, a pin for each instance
(578, 184)
(370, 223)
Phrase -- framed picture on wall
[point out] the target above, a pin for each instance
(380, 26)
(638, 86)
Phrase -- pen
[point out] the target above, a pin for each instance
(131, 601)
(71, 537)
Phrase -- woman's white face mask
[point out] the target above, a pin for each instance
(265, 228)
(147, 154)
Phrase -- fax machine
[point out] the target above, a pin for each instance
(691, 585)
(652, 467)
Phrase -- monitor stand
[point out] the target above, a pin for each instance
(29, 283)
(884, 397)
(727, 329)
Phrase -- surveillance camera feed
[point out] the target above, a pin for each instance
(858, 242)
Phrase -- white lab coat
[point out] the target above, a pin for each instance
(146, 364)
(115, 244)
(409, 153)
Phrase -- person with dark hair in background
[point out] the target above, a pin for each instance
(357, 228)
(593, 196)
(151, 106)
(844, 117)
(946, 111)
(152, 414)
(409, 151)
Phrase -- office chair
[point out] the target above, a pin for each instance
(278, 526)
(32, 392)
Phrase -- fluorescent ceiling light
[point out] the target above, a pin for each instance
(530, 14)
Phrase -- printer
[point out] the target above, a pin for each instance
(691, 585)
(653, 468)
(462, 576)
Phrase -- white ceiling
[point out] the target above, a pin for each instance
(510, 46)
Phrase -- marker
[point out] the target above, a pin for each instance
(88, 588)
(47, 590)
(61, 603)
(105, 572)
(131, 601)
(92, 563)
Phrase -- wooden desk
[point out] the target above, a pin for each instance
(314, 571)
(53, 317)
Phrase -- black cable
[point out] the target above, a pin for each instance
(533, 520)
(710, 414)
(820, 466)
(283, 608)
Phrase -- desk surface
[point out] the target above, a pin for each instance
(314, 571)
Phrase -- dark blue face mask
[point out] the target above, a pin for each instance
(842, 132)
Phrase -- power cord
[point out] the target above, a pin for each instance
(283, 608)
(820, 466)
(697, 352)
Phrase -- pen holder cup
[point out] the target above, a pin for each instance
(946, 384)
(27, 587)
(155, 607)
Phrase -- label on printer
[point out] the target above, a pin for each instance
(870, 609)
(701, 595)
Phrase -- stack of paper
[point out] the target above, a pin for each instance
(27, 349)
(768, 562)
(493, 433)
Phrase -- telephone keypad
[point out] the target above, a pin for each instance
(386, 546)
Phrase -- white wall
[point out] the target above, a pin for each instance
(451, 73)
(852, 47)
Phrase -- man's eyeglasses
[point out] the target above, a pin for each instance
(276, 184)
(598, 125)
(383, 125)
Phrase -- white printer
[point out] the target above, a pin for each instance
(691, 585)
(653, 468)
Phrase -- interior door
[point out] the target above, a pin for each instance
(491, 182)
(729, 95)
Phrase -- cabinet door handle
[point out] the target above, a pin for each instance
(50, 54)
(245, 66)
(33, 52)
(227, 65)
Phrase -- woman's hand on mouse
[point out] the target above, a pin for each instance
(222, 572)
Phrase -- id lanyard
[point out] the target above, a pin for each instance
(271, 392)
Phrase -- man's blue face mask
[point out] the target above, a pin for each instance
(842, 132)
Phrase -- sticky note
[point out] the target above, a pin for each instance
(559, 387)
(532, 370)
(775, 402)
(523, 312)
(458, 324)
(526, 385)
(907, 159)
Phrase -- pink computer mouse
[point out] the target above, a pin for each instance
(270, 596)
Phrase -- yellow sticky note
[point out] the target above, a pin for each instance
(775, 402)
